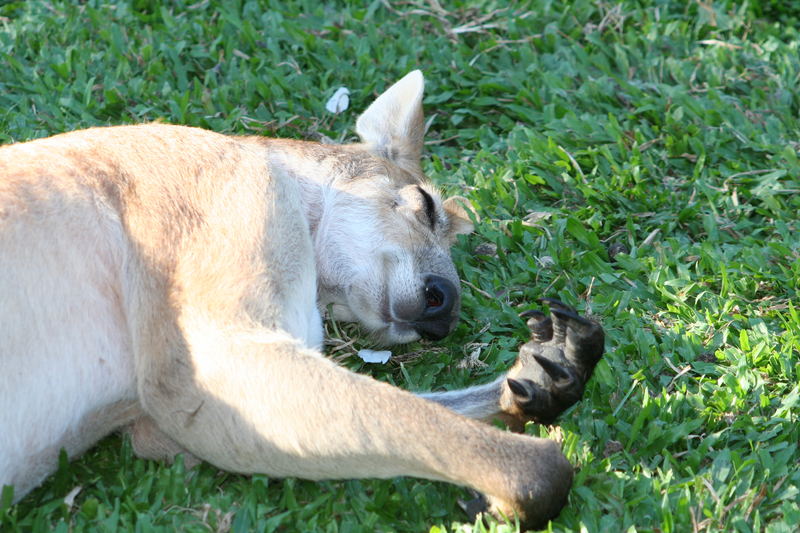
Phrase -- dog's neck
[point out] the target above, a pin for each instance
(316, 168)
(315, 197)
(316, 193)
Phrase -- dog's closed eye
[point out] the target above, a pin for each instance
(430, 206)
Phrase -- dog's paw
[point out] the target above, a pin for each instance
(552, 369)
(531, 494)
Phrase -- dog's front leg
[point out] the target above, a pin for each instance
(257, 402)
(548, 377)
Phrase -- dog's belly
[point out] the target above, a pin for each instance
(66, 365)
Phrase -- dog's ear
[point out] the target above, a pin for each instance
(393, 126)
(458, 219)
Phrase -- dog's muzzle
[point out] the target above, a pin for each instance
(437, 319)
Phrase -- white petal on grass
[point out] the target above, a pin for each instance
(374, 356)
(69, 499)
(340, 100)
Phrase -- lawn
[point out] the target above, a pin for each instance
(639, 160)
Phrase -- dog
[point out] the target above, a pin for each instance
(169, 280)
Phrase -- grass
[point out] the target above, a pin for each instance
(667, 128)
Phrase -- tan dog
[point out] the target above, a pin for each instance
(169, 279)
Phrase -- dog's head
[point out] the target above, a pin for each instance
(383, 239)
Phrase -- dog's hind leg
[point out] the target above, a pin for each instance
(149, 442)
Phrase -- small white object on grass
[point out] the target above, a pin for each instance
(69, 499)
(375, 356)
(340, 100)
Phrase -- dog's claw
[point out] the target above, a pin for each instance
(527, 393)
(518, 388)
(540, 325)
(474, 507)
(556, 304)
(556, 371)
(553, 367)
(532, 313)
(531, 400)
(568, 314)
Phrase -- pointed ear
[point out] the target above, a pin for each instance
(458, 219)
(393, 126)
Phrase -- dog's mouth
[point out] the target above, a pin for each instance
(395, 330)
(427, 321)
(430, 311)
(396, 333)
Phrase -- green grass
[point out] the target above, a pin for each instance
(668, 127)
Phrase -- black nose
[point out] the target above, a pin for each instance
(440, 298)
